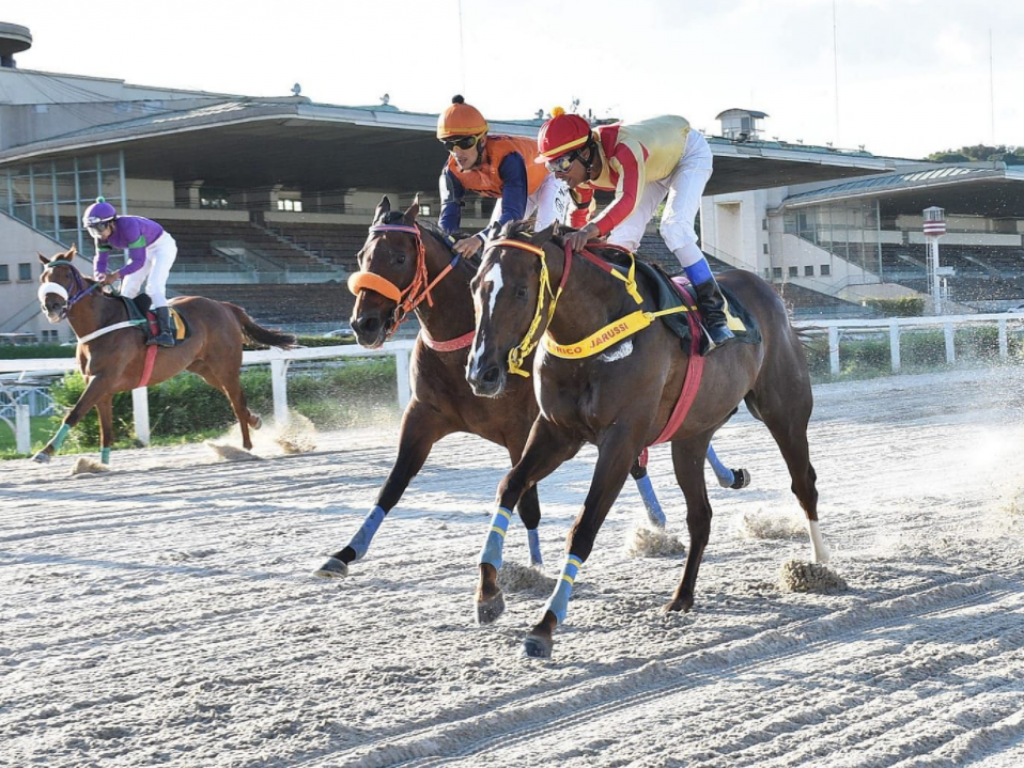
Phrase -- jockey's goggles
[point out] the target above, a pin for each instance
(99, 228)
(563, 163)
(462, 142)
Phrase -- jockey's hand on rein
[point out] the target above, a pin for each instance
(578, 240)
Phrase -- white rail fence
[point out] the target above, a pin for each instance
(401, 350)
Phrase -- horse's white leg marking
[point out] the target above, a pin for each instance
(819, 549)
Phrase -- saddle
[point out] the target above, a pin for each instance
(139, 313)
(671, 292)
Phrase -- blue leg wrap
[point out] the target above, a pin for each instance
(725, 475)
(654, 513)
(361, 541)
(58, 439)
(534, 537)
(491, 553)
(558, 604)
(105, 455)
(699, 272)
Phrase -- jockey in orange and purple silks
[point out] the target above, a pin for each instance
(151, 253)
(644, 163)
(493, 166)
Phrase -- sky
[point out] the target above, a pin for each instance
(902, 78)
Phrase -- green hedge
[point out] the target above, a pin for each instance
(358, 392)
(904, 306)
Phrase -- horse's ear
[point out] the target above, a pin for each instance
(72, 252)
(539, 238)
(383, 207)
(413, 210)
(43, 258)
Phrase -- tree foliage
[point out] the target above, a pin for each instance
(980, 152)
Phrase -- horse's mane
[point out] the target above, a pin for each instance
(435, 231)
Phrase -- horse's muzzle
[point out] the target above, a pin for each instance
(371, 332)
(55, 312)
(486, 381)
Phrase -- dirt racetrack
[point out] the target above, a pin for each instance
(164, 613)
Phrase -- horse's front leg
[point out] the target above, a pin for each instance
(95, 390)
(615, 456)
(105, 410)
(421, 428)
(547, 448)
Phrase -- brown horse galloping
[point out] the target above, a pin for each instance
(408, 266)
(622, 399)
(112, 353)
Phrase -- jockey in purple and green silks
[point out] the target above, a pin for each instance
(151, 253)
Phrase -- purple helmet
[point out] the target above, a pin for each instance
(99, 212)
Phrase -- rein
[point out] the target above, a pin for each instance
(597, 342)
(418, 290)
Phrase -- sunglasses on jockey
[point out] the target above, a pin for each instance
(99, 228)
(461, 142)
(562, 163)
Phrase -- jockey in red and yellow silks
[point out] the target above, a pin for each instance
(493, 166)
(644, 163)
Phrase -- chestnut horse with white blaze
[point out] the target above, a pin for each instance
(624, 399)
(112, 351)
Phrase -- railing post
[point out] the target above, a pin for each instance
(402, 373)
(140, 408)
(279, 379)
(950, 346)
(1004, 350)
(22, 428)
(894, 345)
(833, 349)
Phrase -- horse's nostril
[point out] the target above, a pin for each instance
(491, 375)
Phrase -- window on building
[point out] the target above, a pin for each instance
(764, 224)
(290, 205)
(24, 272)
(777, 273)
(5, 274)
(825, 270)
(767, 273)
(213, 198)
(809, 271)
(794, 271)
(764, 248)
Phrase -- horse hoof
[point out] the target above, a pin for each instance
(41, 458)
(742, 479)
(536, 647)
(679, 605)
(332, 569)
(487, 611)
(257, 423)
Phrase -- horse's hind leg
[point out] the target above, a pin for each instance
(421, 428)
(688, 463)
(655, 515)
(785, 410)
(231, 386)
(528, 506)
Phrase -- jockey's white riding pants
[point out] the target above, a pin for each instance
(160, 258)
(682, 190)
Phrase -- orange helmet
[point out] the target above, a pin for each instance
(460, 119)
(561, 134)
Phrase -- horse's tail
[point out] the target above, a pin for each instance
(271, 337)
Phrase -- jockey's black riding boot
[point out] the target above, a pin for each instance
(165, 338)
(711, 304)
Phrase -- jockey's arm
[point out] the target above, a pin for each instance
(452, 194)
(628, 162)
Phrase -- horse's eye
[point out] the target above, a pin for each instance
(400, 258)
(521, 292)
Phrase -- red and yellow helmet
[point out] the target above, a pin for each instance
(561, 134)
(460, 119)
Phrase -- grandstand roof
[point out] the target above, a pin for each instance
(983, 189)
(254, 142)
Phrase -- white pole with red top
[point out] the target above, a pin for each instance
(934, 228)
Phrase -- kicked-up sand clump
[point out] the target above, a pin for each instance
(800, 576)
(514, 577)
(298, 436)
(761, 525)
(85, 465)
(227, 452)
(649, 542)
